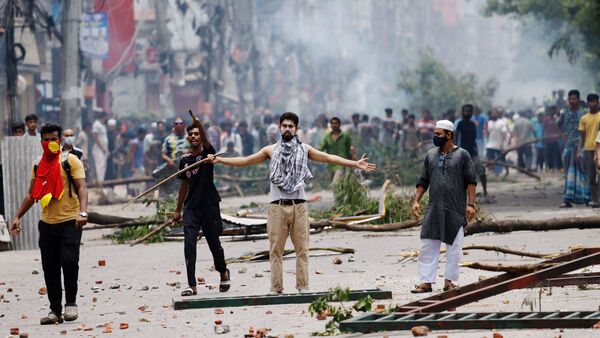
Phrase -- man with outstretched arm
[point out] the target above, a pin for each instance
(200, 201)
(449, 175)
(58, 183)
(288, 213)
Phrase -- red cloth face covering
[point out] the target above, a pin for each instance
(48, 181)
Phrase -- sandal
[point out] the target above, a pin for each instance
(188, 292)
(452, 286)
(421, 289)
(225, 283)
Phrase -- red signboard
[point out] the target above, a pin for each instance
(121, 28)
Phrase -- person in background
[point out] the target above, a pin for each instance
(480, 121)
(100, 149)
(410, 140)
(68, 136)
(588, 127)
(426, 126)
(17, 129)
(214, 134)
(576, 189)
(524, 132)
(175, 144)
(355, 126)
(388, 133)
(405, 115)
(82, 140)
(247, 139)
(111, 134)
(551, 140)
(337, 143)
(539, 145)
(31, 121)
(231, 136)
(465, 136)
(136, 156)
(272, 132)
(497, 131)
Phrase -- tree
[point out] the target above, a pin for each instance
(575, 23)
(433, 87)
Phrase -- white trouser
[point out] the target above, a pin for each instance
(429, 256)
(100, 163)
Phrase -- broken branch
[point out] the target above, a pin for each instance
(526, 268)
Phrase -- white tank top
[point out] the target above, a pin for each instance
(277, 194)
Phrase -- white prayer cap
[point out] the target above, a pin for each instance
(516, 117)
(111, 122)
(445, 124)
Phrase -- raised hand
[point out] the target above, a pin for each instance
(362, 164)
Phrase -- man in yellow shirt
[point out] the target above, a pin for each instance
(588, 127)
(63, 197)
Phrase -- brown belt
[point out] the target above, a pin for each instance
(288, 202)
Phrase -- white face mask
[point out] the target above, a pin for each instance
(69, 140)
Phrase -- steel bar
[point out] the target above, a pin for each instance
(505, 282)
(292, 298)
(572, 279)
(469, 321)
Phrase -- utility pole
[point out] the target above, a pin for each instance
(69, 103)
(163, 47)
(11, 63)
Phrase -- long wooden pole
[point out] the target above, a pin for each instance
(170, 178)
(152, 233)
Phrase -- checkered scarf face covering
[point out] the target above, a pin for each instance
(289, 165)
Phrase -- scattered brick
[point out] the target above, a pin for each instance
(123, 326)
(102, 262)
(218, 322)
(219, 311)
(419, 331)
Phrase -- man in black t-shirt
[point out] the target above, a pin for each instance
(466, 133)
(200, 201)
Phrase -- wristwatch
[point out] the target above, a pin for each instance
(83, 214)
(471, 205)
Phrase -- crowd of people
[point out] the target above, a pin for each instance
(559, 135)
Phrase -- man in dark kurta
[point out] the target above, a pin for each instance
(448, 173)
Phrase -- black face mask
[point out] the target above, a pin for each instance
(467, 116)
(439, 141)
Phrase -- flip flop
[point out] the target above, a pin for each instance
(420, 289)
(450, 287)
(188, 292)
(225, 283)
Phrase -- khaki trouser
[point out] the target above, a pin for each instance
(337, 175)
(292, 219)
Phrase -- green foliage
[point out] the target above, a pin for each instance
(164, 212)
(321, 307)
(573, 23)
(351, 197)
(434, 87)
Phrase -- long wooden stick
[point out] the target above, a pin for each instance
(170, 178)
(523, 170)
(152, 233)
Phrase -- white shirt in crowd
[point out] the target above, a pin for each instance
(100, 129)
(495, 130)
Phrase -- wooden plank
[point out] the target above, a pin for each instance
(477, 321)
(291, 298)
